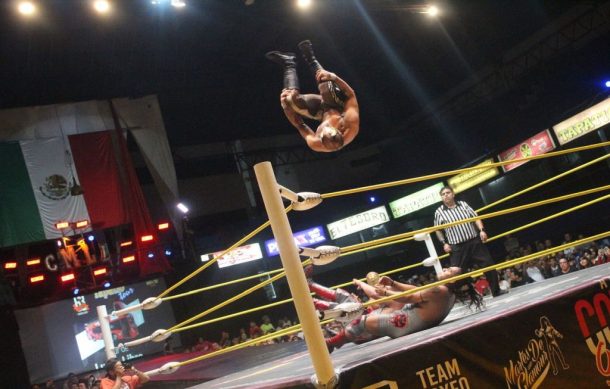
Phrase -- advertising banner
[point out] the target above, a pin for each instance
(467, 180)
(583, 123)
(416, 201)
(358, 222)
(536, 145)
(242, 254)
(306, 238)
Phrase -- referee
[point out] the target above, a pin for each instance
(464, 242)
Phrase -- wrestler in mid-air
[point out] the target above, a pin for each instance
(336, 107)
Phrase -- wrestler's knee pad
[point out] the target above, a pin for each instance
(342, 296)
(306, 107)
(356, 328)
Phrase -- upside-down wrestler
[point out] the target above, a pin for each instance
(336, 107)
(402, 316)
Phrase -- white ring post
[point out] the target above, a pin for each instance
(102, 316)
(432, 251)
(289, 254)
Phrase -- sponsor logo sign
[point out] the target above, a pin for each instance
(358, 222)
(541, 355)
(416, 201)
(242, 254)
(304, 238)
(583, 123)
(467, 180)
(536, 145)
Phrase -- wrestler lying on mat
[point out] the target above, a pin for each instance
(399, 317)
(335, 107)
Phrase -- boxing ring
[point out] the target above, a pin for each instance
(458, 352)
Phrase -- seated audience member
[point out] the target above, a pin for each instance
(118, 377)
(564, 266)
(267, 326)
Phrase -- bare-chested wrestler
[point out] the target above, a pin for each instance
(404, 315)
(336, 107)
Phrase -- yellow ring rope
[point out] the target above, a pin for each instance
(212, 261)
(458, 171)
(297, 327)
(523, 227)
(472, 219)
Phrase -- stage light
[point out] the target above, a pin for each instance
(372, 199)
(67, 277)
(150, 255)
(36, 279)
(81, 224)
(33, 262)
(62, 225)
(127, 243)
(607, 84)
(168, 252)
(59, 243)
(146, 238)
(101, 6)
(75, 291)
(26, 8)
(91, 238)
(303, 4)
(107, 284)
(178, 3)
(183, 208)
(163, 226)
(432, 11)
(128, 259)
(10, 265)
(100, 271)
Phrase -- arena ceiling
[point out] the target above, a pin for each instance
(480, 76)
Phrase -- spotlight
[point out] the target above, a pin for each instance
(607, 84)
(432, 11)
(107, 284)
(101, 6)
(168, 252)
(372, 199)
(26, 8)
(178, 3)
(150, 255)
(183, 208)
(75, 291)
(91, 238)
(303, 4)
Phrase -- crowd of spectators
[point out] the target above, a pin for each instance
(540, 268)
(72, 381)
(252, 331)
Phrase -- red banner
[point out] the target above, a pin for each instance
(536, 145)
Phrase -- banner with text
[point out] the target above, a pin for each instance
(536, 145)
(467, 180)
(583, 123)
(416, 201)
(306, 238)
(358, 222)
(242, 254)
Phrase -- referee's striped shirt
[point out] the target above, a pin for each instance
(461, 232)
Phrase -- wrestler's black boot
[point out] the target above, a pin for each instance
(288, 62)
(310, 58)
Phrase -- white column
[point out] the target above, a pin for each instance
(102, 316)
(294, 274)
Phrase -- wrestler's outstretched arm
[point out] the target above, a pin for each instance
(391, 287)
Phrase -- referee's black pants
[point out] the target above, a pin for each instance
(465, 255)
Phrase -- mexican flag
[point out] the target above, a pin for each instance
(74, 178)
